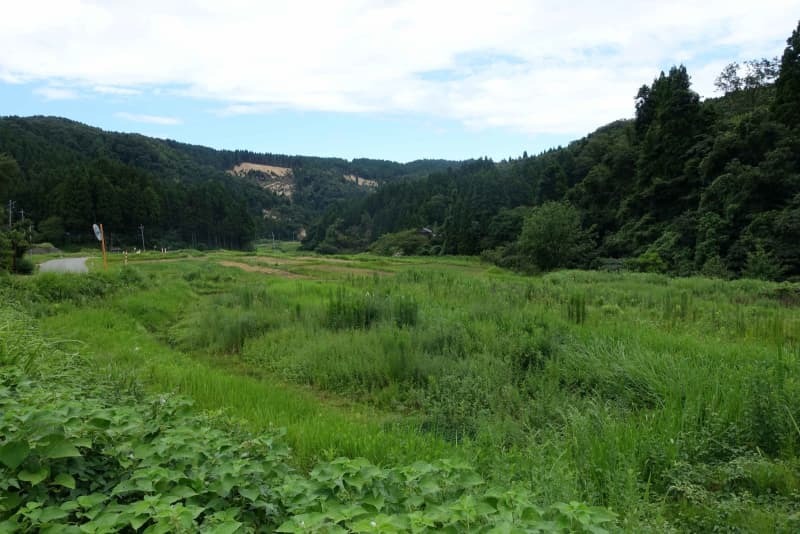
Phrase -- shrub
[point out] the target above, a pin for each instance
(407, 243)
(649, 261)
(25, 266)
(714, 267)
(552, 237)
(762, 265)
(508, 257)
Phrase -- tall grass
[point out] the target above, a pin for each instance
(361, 310)
(314, 430)
(673, 400)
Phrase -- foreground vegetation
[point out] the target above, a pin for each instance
(673, 402)
(83, 451)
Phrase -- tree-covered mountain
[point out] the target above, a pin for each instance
(62, 176)
(688, 186)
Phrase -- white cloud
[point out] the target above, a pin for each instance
(117, 91)
(56, 93)
(149, 119)
(531, 65)
(242, 109)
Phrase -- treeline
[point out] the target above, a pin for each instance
(62, 176)
(65, 176)
(688, 186)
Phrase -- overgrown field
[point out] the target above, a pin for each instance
(673, 402)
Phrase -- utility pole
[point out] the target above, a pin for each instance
(103, 246)
(11, 205)
(22, 214)
(141, 229)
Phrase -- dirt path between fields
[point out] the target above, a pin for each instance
(265, 270)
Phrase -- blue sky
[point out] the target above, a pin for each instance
(400, 137)
(384, 79)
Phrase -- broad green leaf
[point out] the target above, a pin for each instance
(139, 520)
(60, 448)
(250, 494)
(70, 506)
(12, 454)
(10, 502)
(90, 501)
(228, 527)
(181, 492)
(381, 523)
(100, 422)
(82, 442)
(503, 528)
(103, 523)
(376, 502)
(159, 528)
(34, 477)
(59, 528)
(64, 479)
(429, 486)
(52, 513)
(469, 479)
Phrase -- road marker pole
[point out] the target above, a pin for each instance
(103, 246)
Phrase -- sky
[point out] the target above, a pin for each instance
(387, 79)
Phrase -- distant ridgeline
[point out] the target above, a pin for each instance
(688, 186)
(63, 176)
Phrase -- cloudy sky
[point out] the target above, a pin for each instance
(388, 79)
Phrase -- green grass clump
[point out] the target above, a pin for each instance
(48, 288)
(353, 311)
(349, 310)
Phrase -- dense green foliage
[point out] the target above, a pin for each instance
(690, 185)
(64, 176)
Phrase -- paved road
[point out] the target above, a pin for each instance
(66, 265)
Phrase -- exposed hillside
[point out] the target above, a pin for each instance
(688, 186)
(64, 176)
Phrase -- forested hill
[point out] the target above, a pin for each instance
(63, 176)
(687, 186)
